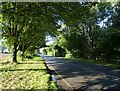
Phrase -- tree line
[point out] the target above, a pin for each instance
(95, 36)
(25, 26)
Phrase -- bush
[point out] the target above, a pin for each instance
(69, 55)
(44, 52)
(29, 56)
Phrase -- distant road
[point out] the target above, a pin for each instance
(84, 76)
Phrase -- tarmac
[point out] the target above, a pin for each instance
(83, 76)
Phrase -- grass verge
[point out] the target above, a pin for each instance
(95, 62)
(28, 74)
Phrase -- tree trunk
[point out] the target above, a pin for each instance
(15, 54)
(22, 55)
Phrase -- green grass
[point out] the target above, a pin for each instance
(28, 74)
(94, 62)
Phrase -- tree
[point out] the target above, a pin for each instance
(97, 32)
(13, 23)
(20, 21)
(81, 29)
(19, 18)
(109, 46)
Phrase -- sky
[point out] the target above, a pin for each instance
(50, 40)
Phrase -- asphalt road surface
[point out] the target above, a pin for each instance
(84, 76)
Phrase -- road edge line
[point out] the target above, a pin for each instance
(67, 83)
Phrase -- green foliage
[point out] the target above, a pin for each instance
(60, 52)
(109, 45)
(53, 86)
(89, 40)
(50, 51)
(68, 55)
(44, 52)
(25, 26)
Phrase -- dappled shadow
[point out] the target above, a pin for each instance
(30, 63)
(24, 62)
(5, 62)
(101, 83)
(86, 76)
(23, 70)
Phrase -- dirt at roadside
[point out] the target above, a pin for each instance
(4, 56)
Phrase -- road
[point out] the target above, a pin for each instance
(84, 76)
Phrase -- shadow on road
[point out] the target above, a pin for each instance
(86, 76)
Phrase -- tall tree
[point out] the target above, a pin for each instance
(22, 21)
(18, 18)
